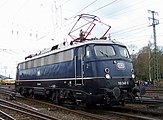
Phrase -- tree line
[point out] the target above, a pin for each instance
(143, 62)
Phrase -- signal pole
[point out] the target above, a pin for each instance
(154, 23)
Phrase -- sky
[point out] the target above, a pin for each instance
(28, 26)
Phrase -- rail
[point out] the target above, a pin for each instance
(26, 111)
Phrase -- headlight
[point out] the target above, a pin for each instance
(107, 76)
(133, 76)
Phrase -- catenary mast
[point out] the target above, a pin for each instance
(156, 62)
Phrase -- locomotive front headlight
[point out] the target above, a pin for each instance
(133, 76)
(107, 76)
(132, 72)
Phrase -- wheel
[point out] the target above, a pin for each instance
(29, 93)
(55, 97)
(22, 92)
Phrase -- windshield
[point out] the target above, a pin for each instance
(123, 52)
(104, 50)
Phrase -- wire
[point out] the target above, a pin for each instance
(82, 9)
(135, 26)
(130, 29)
(8, 51)
(120, 11)
(104, 6)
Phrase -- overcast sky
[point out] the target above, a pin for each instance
(28, 26)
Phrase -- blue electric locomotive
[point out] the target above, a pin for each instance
(86, 71)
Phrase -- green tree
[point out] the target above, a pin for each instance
(144, 63)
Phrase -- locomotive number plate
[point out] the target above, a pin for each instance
(121, 65)
(123, 83)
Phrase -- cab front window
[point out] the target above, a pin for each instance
(123, 52)
(104, 50)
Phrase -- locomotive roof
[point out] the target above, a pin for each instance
(62, 47)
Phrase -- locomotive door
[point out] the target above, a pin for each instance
(79, 63)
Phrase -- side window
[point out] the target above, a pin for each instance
(24, 65)
(42, 61)
(32, 63)
(79, 53)
(88, 51)
(35, 62)
(21, 66)
(50, 59)
(29, 64)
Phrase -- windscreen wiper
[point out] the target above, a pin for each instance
(103, 53)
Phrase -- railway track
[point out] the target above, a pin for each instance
(106, 115)
(15, 111)
(154, 91)
(126, 116)
(5, 116)
(50, 109)
(65, 113)
(141, 112)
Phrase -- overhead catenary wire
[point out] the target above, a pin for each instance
(82, 9)
(121, 11)
(131, 28)
(129, 31)
(133, 19)
(98, 9)
(89, 5)
(114, 14)
(110, 3)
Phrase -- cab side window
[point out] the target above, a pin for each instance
(79, 53)
(88, 52)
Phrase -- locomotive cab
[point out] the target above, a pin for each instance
(105, 67)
